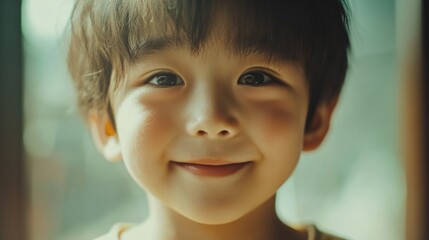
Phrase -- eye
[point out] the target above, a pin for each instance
(165, 80)
(255, 79)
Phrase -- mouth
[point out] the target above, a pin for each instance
(212, 169)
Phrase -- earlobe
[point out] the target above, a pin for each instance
(319, 126)
(112, 150)
(104, 136)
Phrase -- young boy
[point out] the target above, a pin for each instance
(209, 105)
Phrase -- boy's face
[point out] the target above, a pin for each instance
(178, 112)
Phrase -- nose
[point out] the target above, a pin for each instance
(211, 116)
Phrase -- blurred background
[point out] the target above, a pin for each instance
(353, 186)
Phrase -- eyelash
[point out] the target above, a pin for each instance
(164, 75)
(254, 79)
(266, 79)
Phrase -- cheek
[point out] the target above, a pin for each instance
(144, 131)
(277, 132)
(276, 125)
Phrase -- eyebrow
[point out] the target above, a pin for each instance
(155, 45)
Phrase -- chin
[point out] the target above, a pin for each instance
(214, 218)
(215, 215)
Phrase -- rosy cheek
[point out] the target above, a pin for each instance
(270, 122)
(144, 131)
(277, 132)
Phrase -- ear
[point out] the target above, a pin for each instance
(104, 136)
(319, 126)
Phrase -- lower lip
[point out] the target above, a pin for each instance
(213, 170)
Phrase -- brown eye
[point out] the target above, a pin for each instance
(255, 79)
(165, 79)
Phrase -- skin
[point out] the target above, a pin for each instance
(210, 112)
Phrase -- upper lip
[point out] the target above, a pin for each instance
(210, 162)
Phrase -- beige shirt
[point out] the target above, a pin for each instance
(313, 233)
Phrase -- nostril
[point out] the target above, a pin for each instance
(202, 133)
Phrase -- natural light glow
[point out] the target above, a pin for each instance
(45, 19)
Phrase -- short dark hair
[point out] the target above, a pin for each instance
(106, 37)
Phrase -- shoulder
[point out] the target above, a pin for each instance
(115, 232)
(315, 234)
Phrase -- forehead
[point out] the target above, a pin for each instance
(214, 52)
(214, 43)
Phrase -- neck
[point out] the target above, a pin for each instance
(261, 224)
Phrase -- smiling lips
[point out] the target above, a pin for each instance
(213, 169)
